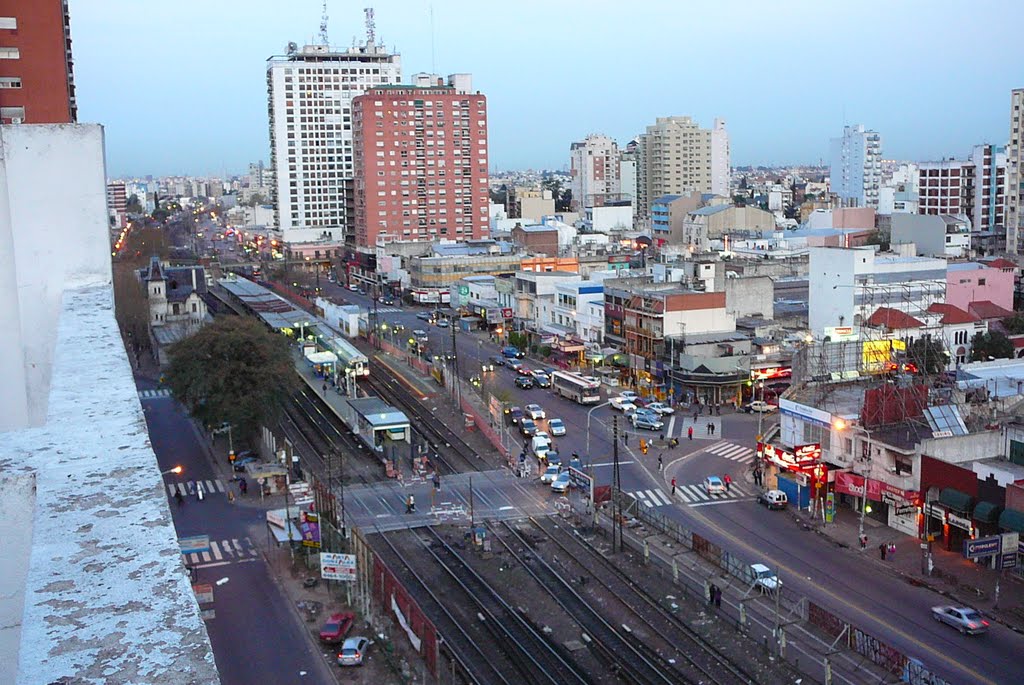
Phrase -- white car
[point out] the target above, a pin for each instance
(628, 395)
(660, 408)
(713, 485)
(550, 474)
(561, 482)
(623, 405)
(556, 426)
(765, 578)
(535, 412)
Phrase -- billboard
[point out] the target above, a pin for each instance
(876, 356)
(841, 333)
(334, 566)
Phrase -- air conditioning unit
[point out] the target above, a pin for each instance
(15, 120)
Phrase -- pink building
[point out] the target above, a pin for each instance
(968, 282)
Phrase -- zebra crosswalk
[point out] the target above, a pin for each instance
(386, 310)
(223, 552)
(731, 451)
(209, 487)
(151, 394)
(651, 498)
(693, 495)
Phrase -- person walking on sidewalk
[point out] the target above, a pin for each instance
(689, 432)
(673, 487)
(660, 465)
(711, 594)
(881, 550)
(718, 597)
(863, 541)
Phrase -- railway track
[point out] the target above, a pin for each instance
(450, 449)
(536, 658)
(466, 651)
(701, 660)
(632, 661)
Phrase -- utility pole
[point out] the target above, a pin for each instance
(455, 366)
(616, 489)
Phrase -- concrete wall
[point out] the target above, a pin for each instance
(750, 296)
(928, 233)
(830, 267)
(964, 287)
(962, 449)
(53, 209)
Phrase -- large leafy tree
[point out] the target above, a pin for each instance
(992, 344)
(928, 355)
(1014, 324)
(233, 371)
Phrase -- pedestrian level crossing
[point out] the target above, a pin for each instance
(693, 495)
(223, 551)
(152, 394)
(731, 451)
(209, 486)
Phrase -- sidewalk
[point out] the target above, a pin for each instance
(956, 579)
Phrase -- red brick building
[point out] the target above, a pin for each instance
(36, 81)
(420, 163)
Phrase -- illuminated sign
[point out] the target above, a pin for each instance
(771, 373)
(802, 456)
(876, 355)
(841, 333)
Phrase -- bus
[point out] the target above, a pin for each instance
(349, 357)
(576, 387)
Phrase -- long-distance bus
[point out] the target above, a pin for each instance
(349, 357)
(576, 387)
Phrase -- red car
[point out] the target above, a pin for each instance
(337, 627)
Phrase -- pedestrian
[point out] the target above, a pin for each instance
(881, 551)
(673, 487)
(718, 597)
(243, 486)
(718, 409)
(728, 482)
(689, 432)
(325, 389)
(674, 443)
(711, 594)
(863, 541)
(892, 550)
(695, 412)
(757, 477)
(713, 429)
(624, 436)
(709, 427)
(659, 463)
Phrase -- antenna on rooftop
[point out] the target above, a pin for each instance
(371, 26)
(323, 25)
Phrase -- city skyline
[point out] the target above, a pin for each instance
(786, 83)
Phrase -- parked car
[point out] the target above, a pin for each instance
(240, 464)
(527, 427)
(646, 422)
(498, 361)
(542, 379)
(966, 620)
(773, 499)
(514, 414)
(336, 627)
(561, 482)
(713, 485)
(535, 412)
(765, 578)
(524, 382)
(660, 408)
(353, 650)
(760, 407)
(550, 473)
(556, 427)
(512, 352)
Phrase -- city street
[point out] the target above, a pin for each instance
(256, 635)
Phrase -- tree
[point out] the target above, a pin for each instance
(233, 371)
(520, 340)
(739, 200)
(1014, 325)
(992, 344)
(133, 206)
(131, 310)
(928, 355)
(879, 238)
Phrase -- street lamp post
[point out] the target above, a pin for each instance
(589, 414)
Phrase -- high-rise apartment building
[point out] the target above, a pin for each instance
(1015, 172)
(117, 204)
(310, 107)
(856, 174)
(676, 156)
(37, 84)
(946, 187)
(594, 166)
(420, 157)
(989, 204)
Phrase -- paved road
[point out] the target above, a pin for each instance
(256, 635)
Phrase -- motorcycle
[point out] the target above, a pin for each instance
(199, 491)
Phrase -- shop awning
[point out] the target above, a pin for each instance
(986, 512)
(1011, 520)
(956, 500)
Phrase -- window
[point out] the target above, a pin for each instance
(10, 82)
(981, 281)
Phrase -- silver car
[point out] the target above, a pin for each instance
(966, 620)
(353, 650)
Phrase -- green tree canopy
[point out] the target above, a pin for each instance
(928, 355)
(992, 344)
(1014, 324)
(233, 371)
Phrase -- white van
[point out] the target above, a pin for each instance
(540, 445)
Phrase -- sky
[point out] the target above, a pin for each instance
(181, 86)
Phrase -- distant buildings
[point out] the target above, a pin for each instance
(675, 157)
(1015, 173)
(117, 205)
(420, 163)
(856, 173)
(37, 84)
(310, 94)
(595, 168)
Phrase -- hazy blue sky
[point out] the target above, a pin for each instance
(181, 86)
